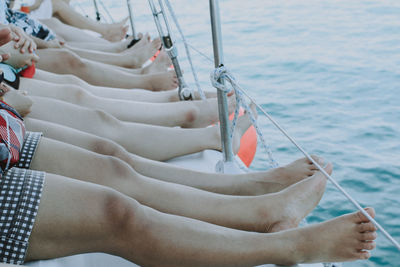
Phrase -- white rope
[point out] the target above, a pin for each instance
(172, 13)
(223, 73)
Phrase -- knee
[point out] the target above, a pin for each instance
(72, 79)
(71, 60)
(119, 168)
(105, 147)
(78, 94)
(119, 213)
(110, 148)
(109, 121)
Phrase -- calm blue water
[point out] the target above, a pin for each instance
(329, 72)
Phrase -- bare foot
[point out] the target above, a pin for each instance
(143, 40)
(345, 238)
(115, 32)
(142, 52)
(295, 202)
(161, 81)
(279, 178)
(123, 45)
(160, 64)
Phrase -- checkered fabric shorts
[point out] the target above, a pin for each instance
(20, 192)
(28, 149)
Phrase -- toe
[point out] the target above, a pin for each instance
(314, 157)
(360, 218)
(368, 236)
(364, 255)
(365, 227)
(367, 245)
(310, 173)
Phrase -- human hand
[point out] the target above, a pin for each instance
(19, 100)
(16, 59)
(5, 37)
(22, 40)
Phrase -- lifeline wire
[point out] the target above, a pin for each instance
(336, 184)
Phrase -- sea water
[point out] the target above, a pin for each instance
(328, 71)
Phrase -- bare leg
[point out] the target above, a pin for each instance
(91, 218)
(112, 32)
(149, 141)
(72, 34)
(140, 95)
(245, 213)
(130, 58)
(253, 183)
(105, 47)
(191, 114)
(63, 61)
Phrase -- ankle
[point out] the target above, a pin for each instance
(216, 140)
(294, 243)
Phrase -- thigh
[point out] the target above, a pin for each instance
(73, 217)
(58, 78)
(70, 33)
(71, 136)
(78, 138)
(78, 117)
(68, 160)
(58, 60)
(47, 89)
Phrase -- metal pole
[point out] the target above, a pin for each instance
(106, 10)
(184, 92)
(222, 96)
(128, 3)
(97, 10)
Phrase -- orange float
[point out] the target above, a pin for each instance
(248, 143)
(25, 9)
(29, 72)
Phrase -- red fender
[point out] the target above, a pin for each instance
(248, 143)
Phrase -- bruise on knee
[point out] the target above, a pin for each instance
(191, 115)
(109, 148)
(119, 213)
